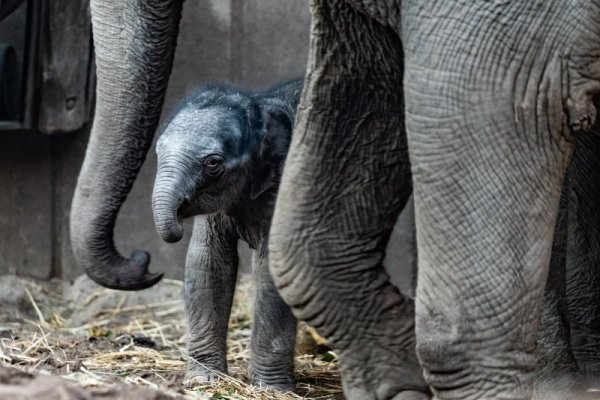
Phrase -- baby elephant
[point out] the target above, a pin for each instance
(220, 159)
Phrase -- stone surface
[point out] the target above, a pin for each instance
(19, 298)
(87, 299)
(18, 385)
(26, 205)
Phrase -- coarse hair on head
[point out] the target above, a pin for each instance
(240, 103)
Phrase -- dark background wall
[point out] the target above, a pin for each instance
(252, 43)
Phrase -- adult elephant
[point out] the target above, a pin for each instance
(135, 43)
(494, 92)
(355, 157)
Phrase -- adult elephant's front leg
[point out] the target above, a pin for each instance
(345, 181)
(490, 138)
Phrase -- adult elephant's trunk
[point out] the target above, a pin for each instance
(135, 43)
(168, 196)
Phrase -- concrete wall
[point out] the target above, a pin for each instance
(252, 43)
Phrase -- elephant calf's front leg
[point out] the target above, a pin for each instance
(210, 274)
(273, 332)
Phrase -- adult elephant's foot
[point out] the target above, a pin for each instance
(565, 385)
(384, 391)
(575, 394)
(558, 386)
(200, 375)
(411, 395)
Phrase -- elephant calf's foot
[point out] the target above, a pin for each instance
(281, 387)
(200, 375)
(282, 381)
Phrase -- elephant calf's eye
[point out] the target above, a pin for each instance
(214, 165)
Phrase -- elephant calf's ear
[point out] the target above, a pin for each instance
(275, 141)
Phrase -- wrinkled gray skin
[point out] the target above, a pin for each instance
(134, 41)
(495, 93)
(219, 160)
(568, 339)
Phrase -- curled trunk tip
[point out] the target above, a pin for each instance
(131, 274)
(170, 232)
(166, 202)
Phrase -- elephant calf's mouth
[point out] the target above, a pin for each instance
(203, 204)
(187, 209)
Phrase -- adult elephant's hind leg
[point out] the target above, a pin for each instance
(345, 181)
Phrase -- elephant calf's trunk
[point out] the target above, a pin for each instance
(168, 221)
(167, 199)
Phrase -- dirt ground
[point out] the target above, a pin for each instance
(110, 344)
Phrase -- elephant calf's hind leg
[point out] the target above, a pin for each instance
(273, 334)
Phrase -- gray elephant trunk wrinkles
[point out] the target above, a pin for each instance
(134, 53)
(220, 157)
(168, 224)
(173, 187)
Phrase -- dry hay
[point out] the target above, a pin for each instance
(143, 345)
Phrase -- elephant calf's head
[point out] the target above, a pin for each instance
(222, 148)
